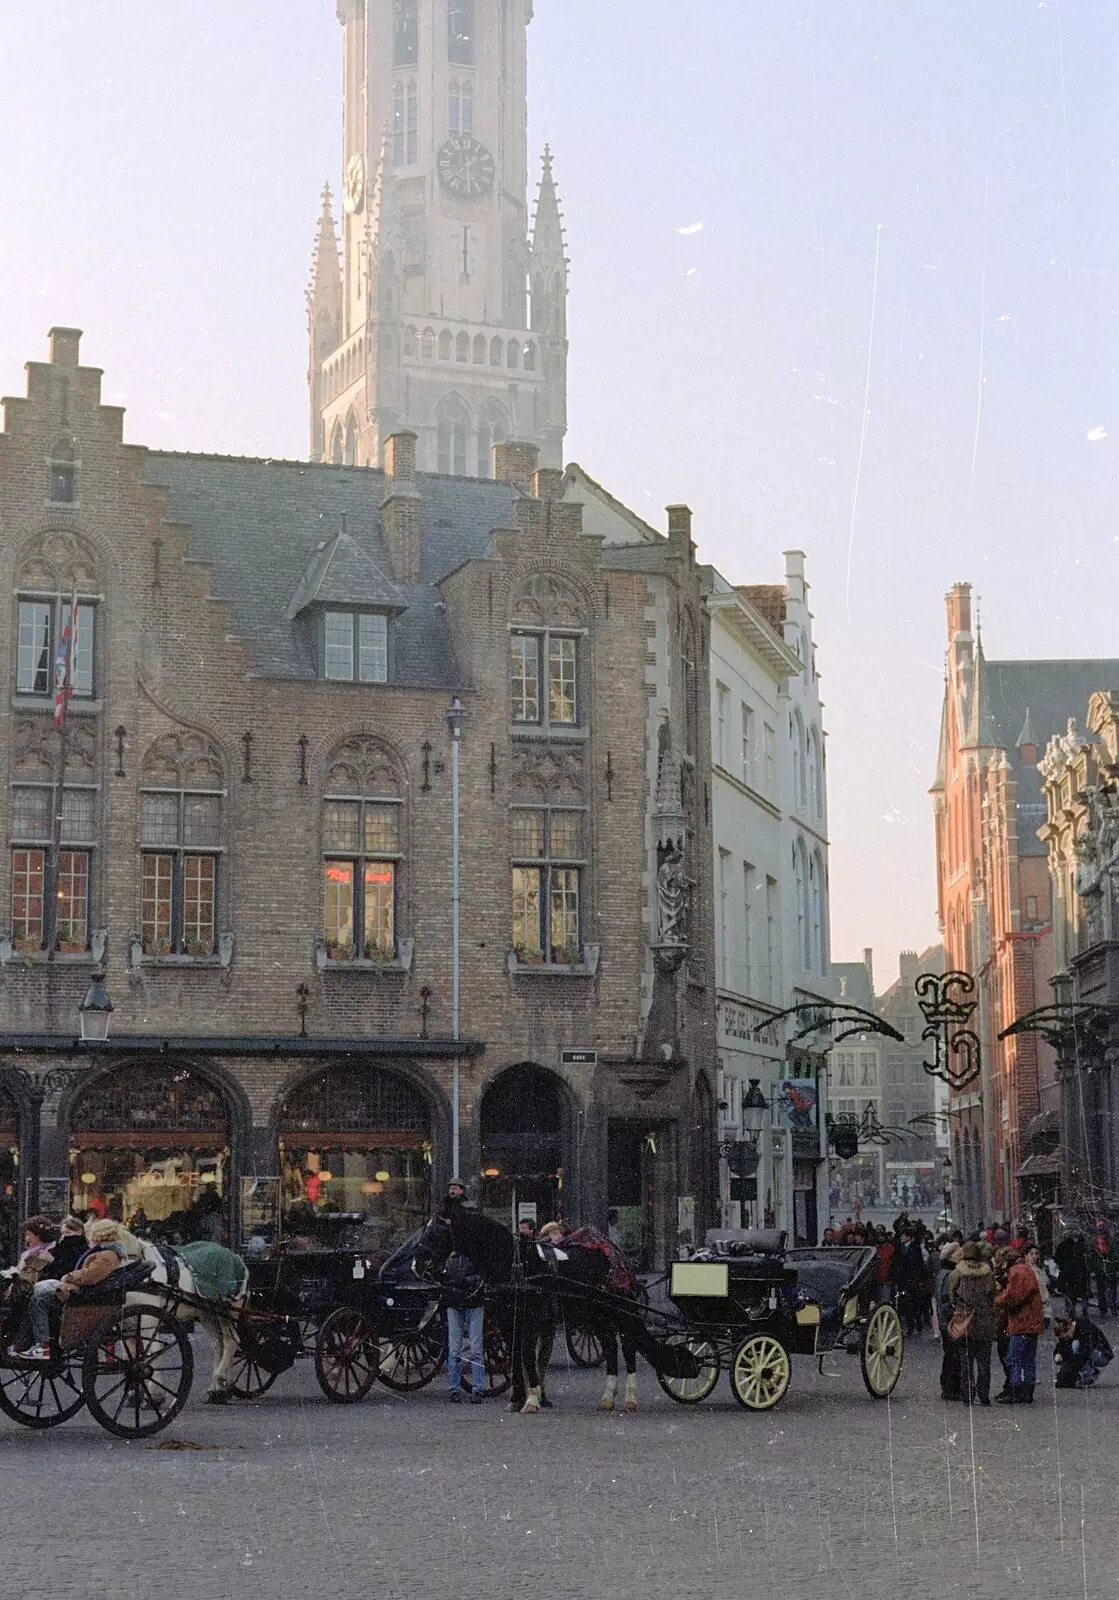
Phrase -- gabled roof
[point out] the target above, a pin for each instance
(341, 573)
(263, 526)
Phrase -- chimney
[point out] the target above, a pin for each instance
(64, 346)
(868, 963)
(795, 587)
(400, 509)
(515, 462)
(548, 483)
(400, 457)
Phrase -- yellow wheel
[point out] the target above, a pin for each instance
(690, 1391)
(883, 1351)
(760, 1372)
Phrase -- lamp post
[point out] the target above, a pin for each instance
(755, 1120)
(454, 720)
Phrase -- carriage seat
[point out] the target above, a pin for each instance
(825, 1282)
(724, 1242)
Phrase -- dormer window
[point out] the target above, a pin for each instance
(355, 646)
(63, 474)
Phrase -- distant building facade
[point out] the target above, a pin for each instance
(993, 890)
(444, 310)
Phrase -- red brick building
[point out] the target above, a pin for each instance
(993, 889)
(257, 835)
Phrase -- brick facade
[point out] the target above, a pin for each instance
(209, 668)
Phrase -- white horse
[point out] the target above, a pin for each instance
(213, 1276)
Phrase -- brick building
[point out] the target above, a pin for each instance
(993, 889)
(257, 835)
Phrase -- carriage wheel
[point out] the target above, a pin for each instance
(584, 1344)
(499, 1362)
(249, 1380)
(760, 1372)
(42, 1396)
(137, 1371)
(346, 1356)
(411, 1360)
(690, 1391)
(882, 1352)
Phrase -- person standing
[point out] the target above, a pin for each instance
(1071, 1256)
(949, 1361)
(464, 1298)
(1025, 1321)
(971, 1294)
(1103, 1263)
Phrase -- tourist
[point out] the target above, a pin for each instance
(971, 1294)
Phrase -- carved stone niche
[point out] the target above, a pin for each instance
(549, 773)
(546, 601)
(58, 563)
(35, 750)
(364, 766)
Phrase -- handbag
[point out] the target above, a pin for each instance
(961, 1324)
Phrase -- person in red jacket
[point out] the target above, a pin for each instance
(1025, 1320)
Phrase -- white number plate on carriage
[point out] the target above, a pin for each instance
(700, 1278)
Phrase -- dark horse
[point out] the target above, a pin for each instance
(525, 1281)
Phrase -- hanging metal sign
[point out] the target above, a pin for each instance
(946, 1003)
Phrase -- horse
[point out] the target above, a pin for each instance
(213, 1276)
(524, 1279)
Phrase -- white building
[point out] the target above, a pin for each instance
(769, 810)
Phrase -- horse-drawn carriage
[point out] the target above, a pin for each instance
(749, 1305)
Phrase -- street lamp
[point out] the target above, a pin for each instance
(755, 1108)
(454, 720)
(94, 1010)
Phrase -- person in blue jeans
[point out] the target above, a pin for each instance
(464, 1296)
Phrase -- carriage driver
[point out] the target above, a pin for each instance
(463, 1295)
(110, 1246)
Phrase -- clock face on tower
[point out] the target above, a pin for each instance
(466, 168)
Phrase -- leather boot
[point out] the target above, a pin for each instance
(1026, 1394)
(1008, 1397)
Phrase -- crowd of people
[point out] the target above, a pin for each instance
(994, 1293)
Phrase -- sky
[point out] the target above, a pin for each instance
(843, 277)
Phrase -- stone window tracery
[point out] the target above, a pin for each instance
(363, 854)
(182, 792)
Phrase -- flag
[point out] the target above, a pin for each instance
(62, 685)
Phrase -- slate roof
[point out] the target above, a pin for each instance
(271, 531)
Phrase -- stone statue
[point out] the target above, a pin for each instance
(673, 887)
(1088, 868)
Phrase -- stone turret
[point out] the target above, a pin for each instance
(548, 275)
(324, 315)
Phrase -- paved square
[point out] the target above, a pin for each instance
(831, 1495)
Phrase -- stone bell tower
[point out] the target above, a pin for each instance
(442, 312)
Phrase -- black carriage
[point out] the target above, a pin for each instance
(750, 1305)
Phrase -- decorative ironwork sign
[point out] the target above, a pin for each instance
(946, 1003)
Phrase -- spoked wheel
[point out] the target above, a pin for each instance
(346, 1356)
(760, 1372)
(499, 1362)
(137, 1371)
(43, 1395)
(690, 1391)
(249, 1379)
(265, 1348)
(584, 1345)
(411, 1360)
(882, 1352)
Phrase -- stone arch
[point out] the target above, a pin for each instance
(513, 355)
(349, 452)
(58, 561)
(446, 345)
(365, 1118)
(527, 1128)
(411, 344)
(427, 345)
(462, 347)
(336, 445)
(151, 1129)
(452, 433)
(19, 1126)
(183, 761)
(497, 352)
(530, 357)
(549, 599)
(479, 349)
(363, 763)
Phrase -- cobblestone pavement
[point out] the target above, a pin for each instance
(831, 1495)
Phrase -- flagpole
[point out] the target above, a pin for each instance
(62, 677)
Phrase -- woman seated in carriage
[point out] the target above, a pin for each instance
(110, 1247)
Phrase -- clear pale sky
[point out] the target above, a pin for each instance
(159, 188)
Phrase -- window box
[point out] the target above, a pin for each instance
(535, 964)
(331, 957)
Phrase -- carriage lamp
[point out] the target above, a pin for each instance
(491, 1172)
(88, 1179)
(326, 1177)
(383, 1177)
(94, 1011)
(755, 1109)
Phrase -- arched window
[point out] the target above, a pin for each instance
(182, 790)
(497, 352)
(530, 357)
(556, 308)
(818, 874)
(462, 347)
(514, 355)
(452, 436)
(349, 454)
(540, 306)
(410, 344)
(405, 124)
(522, 1128)
(336, 444)
(804, 908)
(446, 345)
(816, 767)
(427, 345)
(800, 758)
(460, 107)
(362, 846)
(492, 430)
(63, 473)
(479, 349)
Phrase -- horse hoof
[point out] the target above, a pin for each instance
(219, 1397)
(531, 1408)
(606, 1403)
(631, 1405)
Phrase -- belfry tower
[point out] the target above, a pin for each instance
(443, 313)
